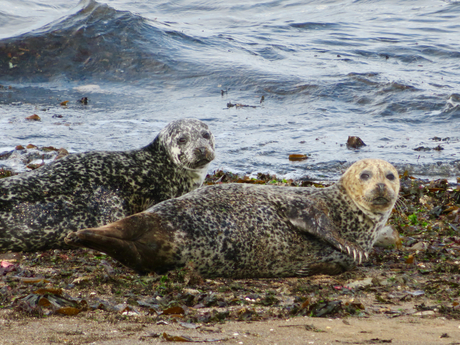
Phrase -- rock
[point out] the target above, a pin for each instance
(355, 142)
(418, 246)
(388, 238)
(359, 283)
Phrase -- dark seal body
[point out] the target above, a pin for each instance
(250, 231)
(39, 208)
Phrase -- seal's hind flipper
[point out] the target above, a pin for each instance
(130, 241)
(122, 250)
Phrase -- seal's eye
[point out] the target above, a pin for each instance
(365, 176)
(182, 140)
(391, 177)
(206, 135)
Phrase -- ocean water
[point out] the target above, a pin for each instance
(385, 71)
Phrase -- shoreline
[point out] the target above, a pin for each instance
(29, 157)
(98, 300)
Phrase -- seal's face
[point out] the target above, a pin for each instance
(190, 144)
(373, 184)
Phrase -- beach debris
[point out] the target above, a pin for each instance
(174, 311)
(312, 328)
(423, 148)
(6, 267)
(62, 152)
(34, 166)
(297, 157)
(239, 105)
(188, 325)
(33, 117)
(183, 338)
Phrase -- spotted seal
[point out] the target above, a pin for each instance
(250, 231)
(39, 208)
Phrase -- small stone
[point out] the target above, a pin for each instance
(424, 313)
(418, 246)
(359, 283)
(388, 237)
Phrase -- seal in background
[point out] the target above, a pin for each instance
(39, 208)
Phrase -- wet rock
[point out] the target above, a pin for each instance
(355, 142)
(62, 152)
(422, 148)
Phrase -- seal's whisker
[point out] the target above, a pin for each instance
(400, 206)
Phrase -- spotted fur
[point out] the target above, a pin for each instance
(243, 231)
(39, 208)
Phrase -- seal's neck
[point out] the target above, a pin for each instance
(159, 153)
(374, 217)
(154, 146)
(371, 227)
(197, 176)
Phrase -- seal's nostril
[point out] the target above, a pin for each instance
(201, 150)
(381, 186)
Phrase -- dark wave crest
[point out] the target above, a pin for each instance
(97, 42)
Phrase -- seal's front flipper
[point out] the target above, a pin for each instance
(130, 241)
(313, 220)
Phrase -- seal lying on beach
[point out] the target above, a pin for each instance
(39, 208)
(250, 231)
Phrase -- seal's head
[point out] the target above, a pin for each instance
(190, 144)
(373, 184)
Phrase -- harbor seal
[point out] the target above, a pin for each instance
(39, 208)
(253, 231)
